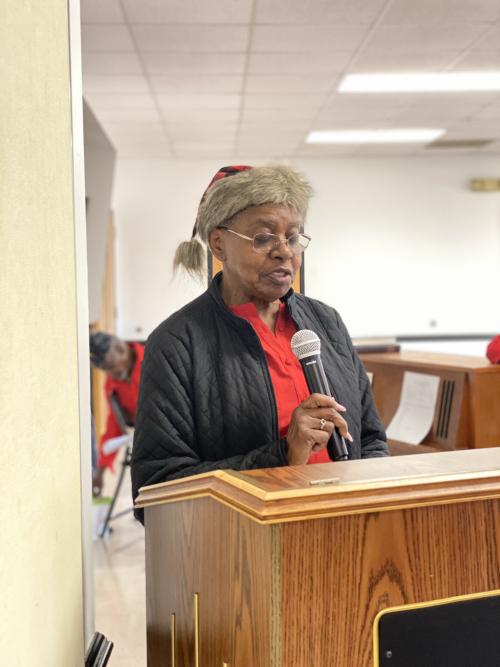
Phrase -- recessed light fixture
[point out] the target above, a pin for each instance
(420, 82)
(408, 136)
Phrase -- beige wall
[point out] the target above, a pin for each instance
(41, 617)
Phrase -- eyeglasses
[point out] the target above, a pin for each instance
(264, 243)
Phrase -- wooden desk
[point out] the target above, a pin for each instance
(261, 569)
(468, 405)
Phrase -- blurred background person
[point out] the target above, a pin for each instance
(493, 350)
(122, 362)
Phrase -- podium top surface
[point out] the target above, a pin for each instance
(457, 362)
(276, 495)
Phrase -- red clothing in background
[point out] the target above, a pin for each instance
(287, 376)
(127, 393)
(493, 350)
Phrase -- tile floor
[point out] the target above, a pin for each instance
(119, 584)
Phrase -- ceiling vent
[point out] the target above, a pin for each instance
(464, 144)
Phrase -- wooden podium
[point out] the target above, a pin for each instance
(468, 404)
(271, 568)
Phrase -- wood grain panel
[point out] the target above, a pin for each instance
(337, 574)
(485, 409)
(202, 546)
(382, 484)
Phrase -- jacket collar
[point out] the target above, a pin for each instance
(214, 291)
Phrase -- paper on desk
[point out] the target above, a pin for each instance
(413, 418)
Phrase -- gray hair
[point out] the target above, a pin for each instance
(225, 198)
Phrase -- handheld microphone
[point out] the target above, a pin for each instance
(307, 346)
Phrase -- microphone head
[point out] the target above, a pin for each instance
(305, 343)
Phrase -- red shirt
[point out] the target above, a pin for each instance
(287, 376)
(493, 350)
(127, 393)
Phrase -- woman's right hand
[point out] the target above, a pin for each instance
(305, 434)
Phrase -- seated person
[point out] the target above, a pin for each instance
(221, 387)
(493, 350)
(122, 363)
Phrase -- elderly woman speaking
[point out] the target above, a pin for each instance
(221, 387)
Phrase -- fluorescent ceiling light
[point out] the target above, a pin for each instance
(420, 83)
(402, 136)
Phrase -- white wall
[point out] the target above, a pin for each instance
(400, 245)
(100, 159)
(404, 243)
(155, 205)
(41, 609)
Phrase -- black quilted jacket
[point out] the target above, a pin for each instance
(206, 400)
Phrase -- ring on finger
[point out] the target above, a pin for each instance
(322, 424)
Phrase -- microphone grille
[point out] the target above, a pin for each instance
(305, 343)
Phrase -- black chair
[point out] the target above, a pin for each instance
(99, 651)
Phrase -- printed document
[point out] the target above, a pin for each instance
(414, 416)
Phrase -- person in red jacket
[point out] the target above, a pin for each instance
(122, 363)
(493, 350)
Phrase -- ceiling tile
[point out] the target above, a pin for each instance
(304, 39)
(289, 84)
(424, 39)
(296, 63)
(191, 38)
(197, 84)
(472, 131)
(455, 102)
(254, 155)
(479, 60)
(430, 11)
(114, 84)
(201, 102)
(121, 139)
(128, 115)
(491, 111)
(285, 101)
(194, 63)
(490, 41)
(188, 11)
(405, 62)
(200, 115)
(353, 121)
(120, 101)
(278, 116)
(318, 11)
(110, 63)
(347, 101)
(97, 11)
(201, 148)
(134, 142)
(266, 149)
(387, 149)
(203, 138)
(106, 38)
(160, 152)
(281, 127)
(195, 130)
(437, 119)
(324, 150)
(125, 129)
(269, 137)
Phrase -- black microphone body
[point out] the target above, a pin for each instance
(318, 384)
